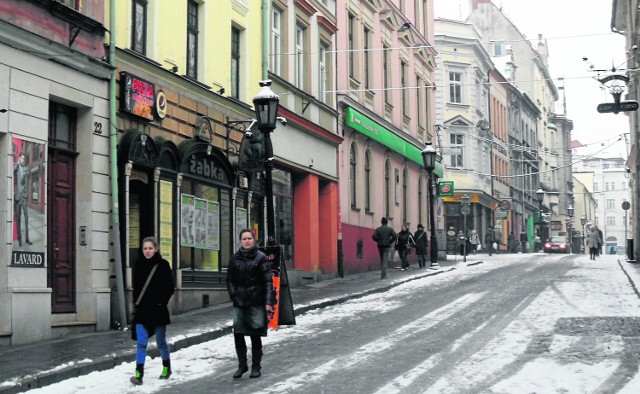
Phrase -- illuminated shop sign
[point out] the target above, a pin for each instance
(137, 96)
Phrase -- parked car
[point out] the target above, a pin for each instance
(557, 244)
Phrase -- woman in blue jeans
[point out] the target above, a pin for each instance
(151, 314)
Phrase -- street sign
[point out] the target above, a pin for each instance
(626, 205)
(607, 107)
(465, 210)
(626, 106)
(445, 189)
(623, 106)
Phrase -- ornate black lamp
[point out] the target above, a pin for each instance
(266, 104)
(429, 161)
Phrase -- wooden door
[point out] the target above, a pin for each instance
(60, 231)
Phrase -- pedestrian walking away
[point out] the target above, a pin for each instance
(404, 243)
(152, 289)
(474, 240)
(251, 291)
(524, 240)
(384, 237)
(488, 240)
(462, 243)
(420, 237)
(593, 242)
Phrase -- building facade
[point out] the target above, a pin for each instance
(466, 121)
(190, 158)
(385, 89)
(54, 107)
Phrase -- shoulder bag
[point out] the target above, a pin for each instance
(134, 334)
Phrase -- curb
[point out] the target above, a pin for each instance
(108, 362)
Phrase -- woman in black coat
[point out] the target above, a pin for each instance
(251, 290)
(151, 314)
(420, 237)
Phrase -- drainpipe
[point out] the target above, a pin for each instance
(113, 140)
(265, 40)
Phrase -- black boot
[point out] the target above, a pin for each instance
(242, 362)
(166, 369)
(256, 358)
(137, 379)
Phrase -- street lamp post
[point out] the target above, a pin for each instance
(266, 104)
(583, 221)
(429, 161)
(465, 211)
(570, 227)
(540, 194)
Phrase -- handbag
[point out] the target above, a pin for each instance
(132, 326)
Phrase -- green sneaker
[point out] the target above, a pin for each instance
(137, 379)
(166, 372)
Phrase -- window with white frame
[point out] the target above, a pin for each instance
(611, 220)
(611, 203)
(456, 141)
(235, 62)
(276, 23)
(403, 84)
(351, 44)
(300, 30)
(455, 87)
(322, 69)
(385, 74)
(367, 57)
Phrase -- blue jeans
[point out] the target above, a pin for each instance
(143, 339)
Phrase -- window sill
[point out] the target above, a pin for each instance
(354, 208)
(368, 212)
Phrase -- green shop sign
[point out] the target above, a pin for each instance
(445, 189)
(375, 131)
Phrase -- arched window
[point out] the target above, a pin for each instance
(352, 175)
(367, 183)
(420, 219)
(405, 201)
(387, 188)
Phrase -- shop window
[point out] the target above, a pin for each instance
(283, 196)
(206, 236)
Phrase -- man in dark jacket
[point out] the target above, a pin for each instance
(489, 240)
(420, 237)
(384, 237)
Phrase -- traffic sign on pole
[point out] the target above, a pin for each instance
(623, 106)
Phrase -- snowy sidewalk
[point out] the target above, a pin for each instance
(25, 367)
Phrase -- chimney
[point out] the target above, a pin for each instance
(476, 3)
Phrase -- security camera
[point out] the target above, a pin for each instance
(282, 120)
(634, 47)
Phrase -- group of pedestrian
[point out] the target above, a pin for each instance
(250, 289)
(404, 242)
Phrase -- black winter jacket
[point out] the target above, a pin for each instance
(249, 279)
(384, 236)
(152, 310)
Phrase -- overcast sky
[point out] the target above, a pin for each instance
(574, 29)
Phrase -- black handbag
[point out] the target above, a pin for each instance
(132, 326)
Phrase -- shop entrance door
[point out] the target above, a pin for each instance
(60, 230)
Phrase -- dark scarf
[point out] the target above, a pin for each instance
(247, 254)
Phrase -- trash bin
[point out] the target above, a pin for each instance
(630, 253)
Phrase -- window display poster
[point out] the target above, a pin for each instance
(213, 225)
(200, 223)
(241, 221)
(187, 220)
(166, 224)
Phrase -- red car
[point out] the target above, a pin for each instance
(557, 245)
